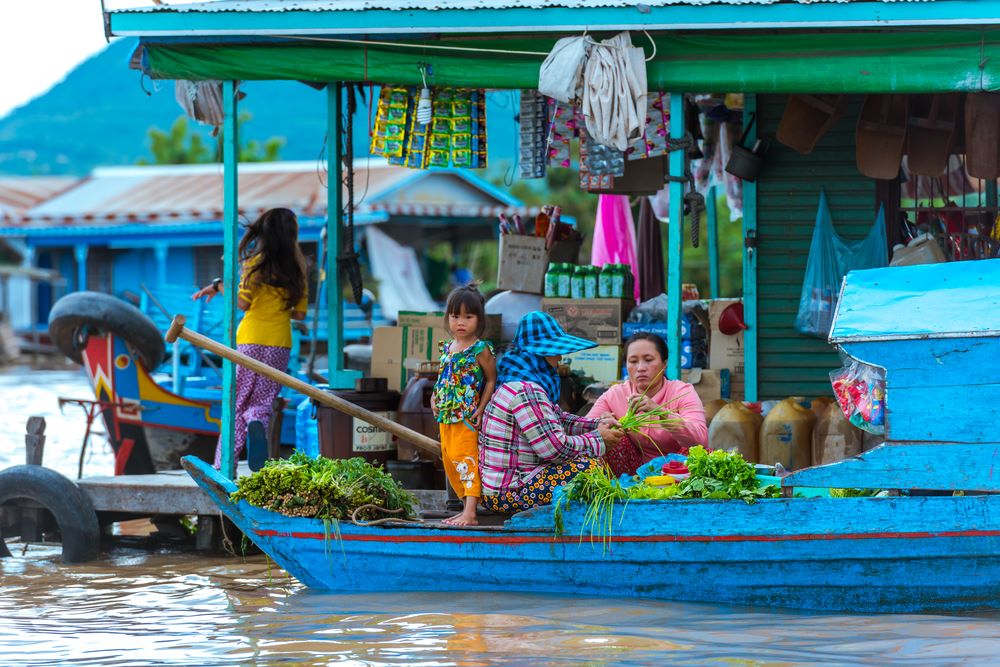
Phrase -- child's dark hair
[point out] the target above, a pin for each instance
(661, 346)
(273, 239)
(467, 297)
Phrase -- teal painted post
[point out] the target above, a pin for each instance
(712, 219)
(337, 376)
(675, 238)
(80, 254)
(991, 196)
(230, 277)
(750, 266)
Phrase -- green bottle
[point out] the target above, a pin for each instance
(590, 282)
(617, 281)
(576, 283)
(565, 278)
(552, 281)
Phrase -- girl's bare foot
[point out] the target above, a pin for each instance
(463, 519)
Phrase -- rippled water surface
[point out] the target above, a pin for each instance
(137, 608)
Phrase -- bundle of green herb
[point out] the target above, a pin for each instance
(322, 488)
(599, 490)
(722, 475)
(662, 417)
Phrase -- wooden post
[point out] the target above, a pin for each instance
(750, 266)
(230, 278)
(712, 218)
(675, 238)
(34, 441)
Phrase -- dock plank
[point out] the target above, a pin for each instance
(175, 493)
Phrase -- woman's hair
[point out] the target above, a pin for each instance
(474, 304)
(661, 346)
(273, 240)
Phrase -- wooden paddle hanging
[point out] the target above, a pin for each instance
(982, 135)
(418, 440)
(930, 133)
(807, 118)
(881, 135)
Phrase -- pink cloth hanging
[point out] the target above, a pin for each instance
(614, 235)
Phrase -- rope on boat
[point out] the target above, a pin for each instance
(377, 522)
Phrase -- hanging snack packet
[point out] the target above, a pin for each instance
(533, 128)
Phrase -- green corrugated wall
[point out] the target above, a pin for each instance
(787, 197)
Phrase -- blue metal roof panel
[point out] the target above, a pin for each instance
(954, 299)
(410, 5)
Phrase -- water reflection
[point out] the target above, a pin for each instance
(168, 609)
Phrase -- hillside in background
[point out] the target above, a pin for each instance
(99, 115)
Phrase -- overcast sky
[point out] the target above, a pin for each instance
(41, 41)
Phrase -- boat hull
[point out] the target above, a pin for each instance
(849, 554)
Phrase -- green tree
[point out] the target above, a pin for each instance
(183, 144)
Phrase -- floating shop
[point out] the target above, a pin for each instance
(857, 136)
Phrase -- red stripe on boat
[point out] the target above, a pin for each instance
(531, 539)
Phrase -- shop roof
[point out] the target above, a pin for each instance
(373, 17)
(193, 193)
(953, 299)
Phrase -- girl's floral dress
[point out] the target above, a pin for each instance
(456, 391)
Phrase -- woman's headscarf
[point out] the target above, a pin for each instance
(538, 336)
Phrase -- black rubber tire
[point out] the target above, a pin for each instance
(73, 314)
(68, 504)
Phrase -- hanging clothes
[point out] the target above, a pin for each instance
(396, 267)
(650, 253)
(614, 92)
(614, 235)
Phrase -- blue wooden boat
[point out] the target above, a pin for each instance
(936, 332)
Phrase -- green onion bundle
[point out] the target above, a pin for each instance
(663, 417)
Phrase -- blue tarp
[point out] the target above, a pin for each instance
(949, 299)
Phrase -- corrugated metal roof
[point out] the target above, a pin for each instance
(409, 5)
(21, 193)
(193, 193)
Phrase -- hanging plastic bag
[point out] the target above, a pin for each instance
(860, 392)
(830, 258)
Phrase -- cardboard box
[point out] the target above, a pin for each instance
(691, 330)
(599, 320)
(398, 350)
(724, 351)
(436, 320)
(523, 262)
(709, 384)
(603, 363)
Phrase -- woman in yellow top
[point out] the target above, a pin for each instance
(272, 294)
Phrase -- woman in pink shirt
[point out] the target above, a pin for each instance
(646, 360)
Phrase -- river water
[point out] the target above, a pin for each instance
(169, 608)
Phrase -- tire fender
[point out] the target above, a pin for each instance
(71, 507)
(76, 312)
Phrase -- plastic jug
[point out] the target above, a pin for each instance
(736, 428)
(712, 408)
(819, 405)
(834, 437)
(306, 433)
(786, 434)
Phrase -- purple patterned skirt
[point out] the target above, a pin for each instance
(254, 393)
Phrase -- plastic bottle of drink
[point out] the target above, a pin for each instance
(604, 282)
(552, 280)
(590, 280)
(617, 281)
(576, 283)
(565, 280)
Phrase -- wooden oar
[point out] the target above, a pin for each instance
(418, 440)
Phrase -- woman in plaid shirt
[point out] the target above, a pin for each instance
(527, 445)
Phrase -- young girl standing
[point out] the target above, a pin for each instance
(464, 387)
(272, 293)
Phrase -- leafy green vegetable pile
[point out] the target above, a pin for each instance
(322, 488)
(722, 475)
(713, 475)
